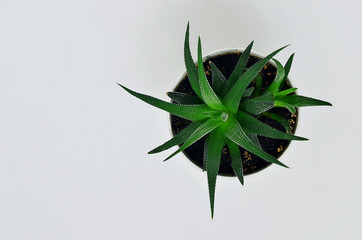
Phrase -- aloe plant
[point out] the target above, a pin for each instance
(226, 111)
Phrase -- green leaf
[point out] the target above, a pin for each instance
(218, 79)
(301, 101)
(190, 65)
(287, 67)
(248, 92)
(232, 99)
(285, 92)
(258, 84)
(213, 149)
(179, 138)
(238, 70)
(281, 103)
(254, 139)
(274, 86)
(201, 131)
(184, 98)
(190, 112)
(284, 122)
(253, 125)
(208, 95)
(235, 133)
(236, 161)
(257, 105)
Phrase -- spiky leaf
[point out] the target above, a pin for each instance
(236, 161)
(184, 98)
(235, 133)
(179, 138)
(284, 122)
(190, 112)
(201, 131)
(301, 101)
(207, 93)
(218, 79)
(257, 105)
(215, 144)
(285, 92)
(274, 86)
(254, 139)
(232, 99)
(282, 103)
(287, 67)
(248, 92)
(253, 125)
(258, 84)
(190, 65)
(238, 70)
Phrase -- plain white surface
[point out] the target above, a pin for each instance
(73, 162)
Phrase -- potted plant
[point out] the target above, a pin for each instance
(233, 112)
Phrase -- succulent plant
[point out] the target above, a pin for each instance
(226, 111)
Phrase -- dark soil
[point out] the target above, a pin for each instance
(251, 163)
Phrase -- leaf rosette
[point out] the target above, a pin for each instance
(226, 111)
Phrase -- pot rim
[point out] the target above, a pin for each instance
(217, 53)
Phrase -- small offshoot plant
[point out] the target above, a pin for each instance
(226, 111)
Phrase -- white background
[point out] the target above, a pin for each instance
(73, 145)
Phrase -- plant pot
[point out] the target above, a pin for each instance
(225, 60)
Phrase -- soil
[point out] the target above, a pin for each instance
(251, 163)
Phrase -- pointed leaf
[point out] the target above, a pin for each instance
(201, 131)
(184, 98)
(238, 70)
(284, 122)
(253, 125)
(215, 144)
(218, 79)
(254, 139)
(236, 161)
(274, 86)
(235, 133)
(179, 138)
(190, 112)
(208, 95)
(301, 101)
(232, 99)
(285, 92)
(287, 67)
(258, 84)
(190, 65)
(257, 105)
(282, 103)
(248, 92)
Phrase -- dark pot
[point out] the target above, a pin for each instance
(226, 60)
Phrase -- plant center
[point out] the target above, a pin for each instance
(224, 116)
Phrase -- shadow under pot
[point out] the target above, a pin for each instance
(226, 61)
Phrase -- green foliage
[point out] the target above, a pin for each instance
(214, 145)
(226, 112)
(236, 162)
(258, 104)
(218, 79)
(252, 125)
